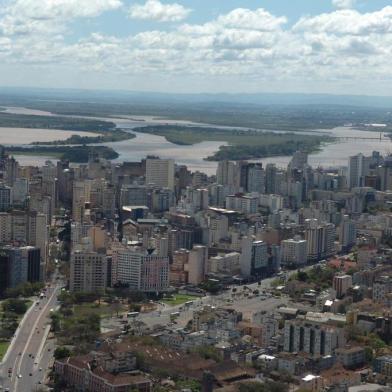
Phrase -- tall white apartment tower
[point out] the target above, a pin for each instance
(160, 172)
(355, 170)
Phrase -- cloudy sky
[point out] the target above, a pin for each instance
(329, 46)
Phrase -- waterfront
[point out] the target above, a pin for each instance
(24, 136)
(330, 155)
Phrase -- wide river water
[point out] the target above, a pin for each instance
(331, 155)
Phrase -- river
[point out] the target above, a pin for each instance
(331, 155)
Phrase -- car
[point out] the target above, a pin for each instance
(30, 374)
(40, 369)
(19, 376)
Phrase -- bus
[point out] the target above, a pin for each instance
(189, 303)
(133, 314)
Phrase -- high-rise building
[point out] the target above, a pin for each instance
(382, 287)
(21, 265)
(242, 203)
(270, 178)
(80, 195)
(20, 191)
(228, 173)
(5, 227)
(357, 169)
(294, 252)
(160, 172)
(299, 160)
(315, 339)
(255, 178)
(197, 264)
(260, 256)
(341, 283)
(133, 195)
(348, 233)
(179, 267)
(5, 197)
(320, 238)
(140, 270)
(88, 271)
(218, 227)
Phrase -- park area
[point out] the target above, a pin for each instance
(178, 299)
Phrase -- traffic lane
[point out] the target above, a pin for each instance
(37, 344)
(41, 371)
(14, 359)
(19, 343)
(26, 363)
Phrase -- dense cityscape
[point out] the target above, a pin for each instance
(195, 196)
(147, 276)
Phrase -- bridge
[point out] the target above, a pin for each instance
(380, 138)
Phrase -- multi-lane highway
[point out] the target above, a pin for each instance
(26, 363)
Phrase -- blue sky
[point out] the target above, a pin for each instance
(327, 46)
(205, 10)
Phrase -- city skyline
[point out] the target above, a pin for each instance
(331, 46)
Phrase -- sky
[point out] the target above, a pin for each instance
(199, 46)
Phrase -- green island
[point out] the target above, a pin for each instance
(106, 131)
(241, 144)
(64, 123)
(116, 135)
(77, 154)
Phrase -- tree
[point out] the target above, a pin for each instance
(14, 305)
(62, 352)
(368, 354)
(55, 322)
(302, 276)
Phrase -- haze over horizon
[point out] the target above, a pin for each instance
(193, 46)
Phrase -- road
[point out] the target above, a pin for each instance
(30, 352)
(238, 301)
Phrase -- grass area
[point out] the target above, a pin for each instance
(242, 144)
(9, 325)
(35, 154)
(12, 120)
(116, 135)
(178, 299)
(3, 349)
(103, 310)
(78, 154)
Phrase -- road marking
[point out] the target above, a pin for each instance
(31, 335)
(20, 326)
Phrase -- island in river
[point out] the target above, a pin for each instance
(240, 144)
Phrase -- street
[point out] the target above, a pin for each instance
(26, 363)
(239, 302)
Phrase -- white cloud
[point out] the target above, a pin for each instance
(155, 10)
(259, 19)
(54, 9)
(349, 22)
(343, 3)
(23, 17)
(242, 46)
